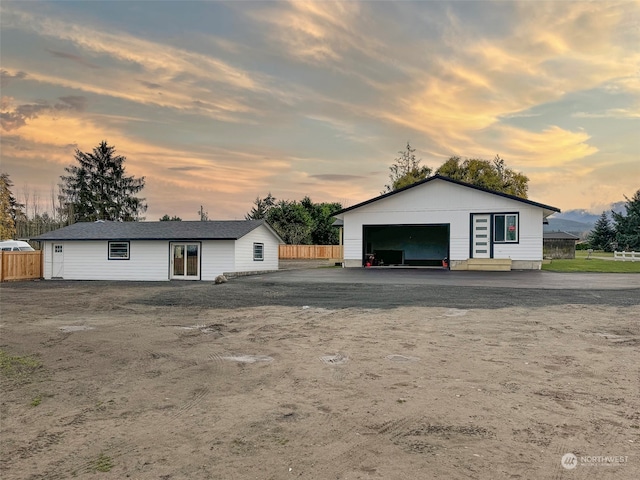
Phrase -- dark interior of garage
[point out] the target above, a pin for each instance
(406, 245)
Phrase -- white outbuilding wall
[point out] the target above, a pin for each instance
(149, 260)
(216, 258)
(88, 260)
(244, 261)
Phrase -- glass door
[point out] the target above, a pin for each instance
(185, 261)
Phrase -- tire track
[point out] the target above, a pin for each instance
(197, 396)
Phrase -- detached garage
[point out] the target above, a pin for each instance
(440, 221)
(152, 251)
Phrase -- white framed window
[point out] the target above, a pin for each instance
(505, 228)
(57, 248)
(258, 252)
(118, 250)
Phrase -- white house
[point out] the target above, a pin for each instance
(439, 219)
(150, 251)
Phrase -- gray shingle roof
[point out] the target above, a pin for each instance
(559, 236)
(213, 230)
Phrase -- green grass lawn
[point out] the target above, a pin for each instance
(596, 253)
(582, 264)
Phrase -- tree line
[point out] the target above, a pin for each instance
(622, 233)
(96, 187)
(298, 222)
(492, 175)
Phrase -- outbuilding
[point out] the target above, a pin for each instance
(445, 223)
(153, 251)
(559, 245)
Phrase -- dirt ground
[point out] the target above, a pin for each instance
(152, 381)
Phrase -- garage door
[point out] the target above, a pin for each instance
(409, 245)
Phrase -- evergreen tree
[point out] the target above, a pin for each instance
(10, 209)
(627, 226)
(406, 170)
(298, 223)
(261, 207)
(98, 189)
(322, 230)
(602, 235)
(292, 222)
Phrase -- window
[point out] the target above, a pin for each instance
(57, 249)
(258, 252)
(505, 228)
(118, 250)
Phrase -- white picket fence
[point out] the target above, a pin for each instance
(625, 256)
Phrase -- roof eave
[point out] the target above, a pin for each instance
(546, 208)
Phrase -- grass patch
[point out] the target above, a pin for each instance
(18, 368)
(582, 264)
(103, 463)
(36, 401)
(595, 253)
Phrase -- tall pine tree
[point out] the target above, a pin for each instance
(98, 189)
(627, 227)
(261, 208)
(602, 235)
(10, 209)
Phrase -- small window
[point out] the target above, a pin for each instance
(258, 252)
(505, 228)
(57, 249)
(118, 250)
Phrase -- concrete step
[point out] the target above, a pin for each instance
(489, 264)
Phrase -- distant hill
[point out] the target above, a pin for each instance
(584, 216)
(579, 222)
(579, 216)
(580, 229)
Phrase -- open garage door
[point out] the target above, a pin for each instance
(406, 245)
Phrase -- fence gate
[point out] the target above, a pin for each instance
(20, 266)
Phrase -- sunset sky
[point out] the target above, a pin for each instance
(216, 103)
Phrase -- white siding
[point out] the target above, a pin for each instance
(442, 202)
(244, 251)
(217, 257)
(530, 245)
(88, 260)
(150, 260)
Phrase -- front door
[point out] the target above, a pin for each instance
(57, 262)
(185, 261)
(481, 236)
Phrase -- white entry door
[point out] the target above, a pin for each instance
(481, 236)
(57, 260)
(185, 261)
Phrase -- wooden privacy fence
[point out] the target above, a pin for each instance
(309, 252)
(20, 266)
